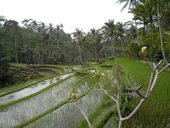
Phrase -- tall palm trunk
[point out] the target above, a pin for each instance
(16, 54)
(121, 42)
(160, 34)
(80, 57)
(113, 48)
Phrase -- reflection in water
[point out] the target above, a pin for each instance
(27, 109)
(30, 90)
(69, 115)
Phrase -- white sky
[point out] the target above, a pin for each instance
(83, 14)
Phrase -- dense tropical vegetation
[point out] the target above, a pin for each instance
(42, 46)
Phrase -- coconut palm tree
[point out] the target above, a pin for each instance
(120, 33)
(96, 39)
(158, 7)
(108, 31)
(78, 39)
(128, 3)
(146, 10)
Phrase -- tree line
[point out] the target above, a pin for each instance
(35, 42)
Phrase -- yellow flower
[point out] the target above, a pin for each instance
(143, 49)
(102, 74)
(142, 52)
(73, 95)
(99, 74)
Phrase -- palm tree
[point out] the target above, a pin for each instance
(158, 6)
(2, 20)
(143, 12)
(78, 39)
(13, 31)
(96, 39)
(109, 32)
(119, 33)
(128, 3)
(59, 30)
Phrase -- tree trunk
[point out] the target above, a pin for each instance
(122, 45)
(160, 34)
(113, 48)
(16, 54)
(80, 58)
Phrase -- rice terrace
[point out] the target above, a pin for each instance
(113, 76)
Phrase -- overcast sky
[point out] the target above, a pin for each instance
(83, 14)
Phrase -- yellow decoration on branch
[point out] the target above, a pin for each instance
(99, 74)
(73, 95)
(143, 52)
(143, 49)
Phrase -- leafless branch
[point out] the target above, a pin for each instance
(107, 93)
(134, 89)
(137, 90)
(154, 80)
(166, 66)
(134, 111)
(158, 64)
(84, 115)
(140, 94)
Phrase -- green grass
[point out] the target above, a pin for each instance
(101, 115)
(94, 67)
(139, 71)
(155, 113)
(107, 63)
(20, 65)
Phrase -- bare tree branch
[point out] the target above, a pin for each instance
(158, 64)
(84, 115)
(134, 111)
(107, 93)
(151, 80)
(154, 80)
(140, 94)
(134, 89)
(164, 68)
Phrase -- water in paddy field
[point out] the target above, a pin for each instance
(30, 90)
(23, 111)
(69, 115)
(27, 109)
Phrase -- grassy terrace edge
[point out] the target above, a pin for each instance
(23, 86)
(32, 95)
(16, 87)
(100, 116)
